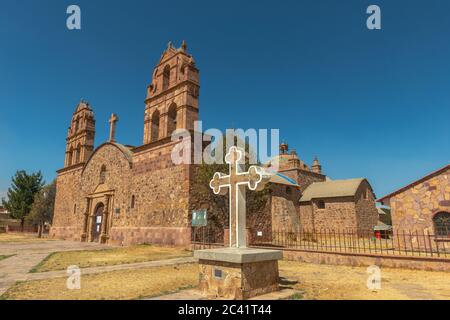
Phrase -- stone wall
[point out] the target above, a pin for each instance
(306, 216)
(358, 260)
(238, 281)
(68, 214)
(339, 214)
(356, 213)
(161, 190)
(366, 211)
(414, 208)
(284, 208)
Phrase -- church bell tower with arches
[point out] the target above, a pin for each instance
(80, 135)
(172, 97)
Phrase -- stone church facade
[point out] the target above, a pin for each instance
(122, 194)
(126, 195)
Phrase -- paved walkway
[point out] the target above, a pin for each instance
(130, 266)
(29, 254)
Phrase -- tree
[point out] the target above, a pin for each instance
(21, 194)
(218, 205)
(43, 206)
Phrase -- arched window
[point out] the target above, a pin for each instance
(133, 201)
(441, 223)
(166, 77)
(102, 174)
(172, 119)
(78, 152)
(77, 125)
(69, 157)
(155, 126)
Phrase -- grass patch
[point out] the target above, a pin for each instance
(108, 257)
(21, 237)
(2, 257)
(296, 296)
(115, 285)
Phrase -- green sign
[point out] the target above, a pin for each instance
(199, 218)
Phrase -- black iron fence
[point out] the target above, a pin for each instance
(398, 243)
(24, 229)
(207, 236)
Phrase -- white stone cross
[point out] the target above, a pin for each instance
(112, 127)
(236, 182)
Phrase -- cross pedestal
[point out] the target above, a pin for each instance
(238, 272)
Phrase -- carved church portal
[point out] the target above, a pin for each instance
(97, 223)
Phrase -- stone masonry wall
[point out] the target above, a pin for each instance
(68, 212)
(366, 211)
(284, 206)
(161, 210)
(306, 216)
(339, 214)
(414, 208)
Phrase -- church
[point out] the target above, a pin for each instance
(121, 194)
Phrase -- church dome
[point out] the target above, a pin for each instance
(286, 160)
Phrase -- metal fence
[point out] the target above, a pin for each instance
(24, 229)
(207, 236)
(397, 243)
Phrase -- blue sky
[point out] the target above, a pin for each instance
(372, 104)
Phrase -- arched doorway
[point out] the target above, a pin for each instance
(97, 223)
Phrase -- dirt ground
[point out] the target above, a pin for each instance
(114, 256)
(330, 282)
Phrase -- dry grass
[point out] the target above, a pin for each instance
(313, 282)
(20, 237)
(329, 282)
(116, 285)
(96, 258)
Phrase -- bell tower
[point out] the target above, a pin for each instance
(80, 135)
(172, 97)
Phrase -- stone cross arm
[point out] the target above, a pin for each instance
(112, 127)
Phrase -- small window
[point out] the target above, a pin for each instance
(288, 190)
(166, 77)
(442, 224)
(75, 208)
(320, 204)
(102, 174)
(133, 200)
